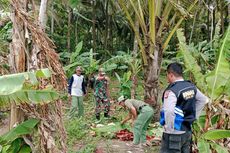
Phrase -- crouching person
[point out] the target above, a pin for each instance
(141, 115)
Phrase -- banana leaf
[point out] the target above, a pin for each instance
(203, 146)
(14, 82)
(30, 96)
(219, 149)
(190, 61)
(21, 87)
(216, 134)
(20, 130)
(218, 79)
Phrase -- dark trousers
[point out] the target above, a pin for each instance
(176, 143)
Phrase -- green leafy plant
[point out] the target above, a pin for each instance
(125, 84)
(76, 129)
(22, 87)
(13, 142)
(215, 84)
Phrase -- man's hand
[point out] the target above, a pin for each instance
(132, 123)
(123, 122)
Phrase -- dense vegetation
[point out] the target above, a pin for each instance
(132, 40)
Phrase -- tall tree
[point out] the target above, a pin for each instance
(154, 17)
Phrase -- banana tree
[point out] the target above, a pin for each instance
(153, 18)
(31, 49)
(22, 89)
(215, 83)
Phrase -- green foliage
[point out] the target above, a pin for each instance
(190, 61)
(86, 60)
(118, 62)
(5, 38)
(218, 79)
(90, 148)
(14, 82)
(203, 146)
(125, 84)
(77, 52)
(12, 141)
(216, 134)
(4, 4)
(218, 148)
(215, 82)
(20, 130)
(110, 129)
(22, 87)
(74, 3)
(17, 146)
(76, 130)
(205, 140)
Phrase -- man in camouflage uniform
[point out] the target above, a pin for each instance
(101, 93)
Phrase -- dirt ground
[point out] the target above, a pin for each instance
(4, 126)
(117, 146)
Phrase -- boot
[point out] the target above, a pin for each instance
(106, 115)
(98, 116)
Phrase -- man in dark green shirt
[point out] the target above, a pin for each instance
(141, 115)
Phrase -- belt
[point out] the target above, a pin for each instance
(141, 107)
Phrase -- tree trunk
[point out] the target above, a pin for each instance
(135, 43)
(76, 30)
(222, 18)
(151, 77)
(94, 25)
(106, 26)
(228, 10)
(69, 29)
(17, 58)
(135, 51)
(42, 18)
(52, 20)
(208, 22)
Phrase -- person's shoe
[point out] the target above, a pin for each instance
(106, 115)
(98, 117)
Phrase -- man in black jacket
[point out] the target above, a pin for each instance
(182, 104)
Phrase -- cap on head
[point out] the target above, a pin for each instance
(78, 68)
(120, 99)
(102, 71)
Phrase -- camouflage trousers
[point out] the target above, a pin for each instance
(102, 103)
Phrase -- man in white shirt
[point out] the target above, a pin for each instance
(76, 90)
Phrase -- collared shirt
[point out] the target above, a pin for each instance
(134, 103)
(170, 101)
(77, 85)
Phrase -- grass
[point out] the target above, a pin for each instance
(81, 136)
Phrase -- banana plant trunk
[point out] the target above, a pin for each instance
(17, 59)
(151, 77)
